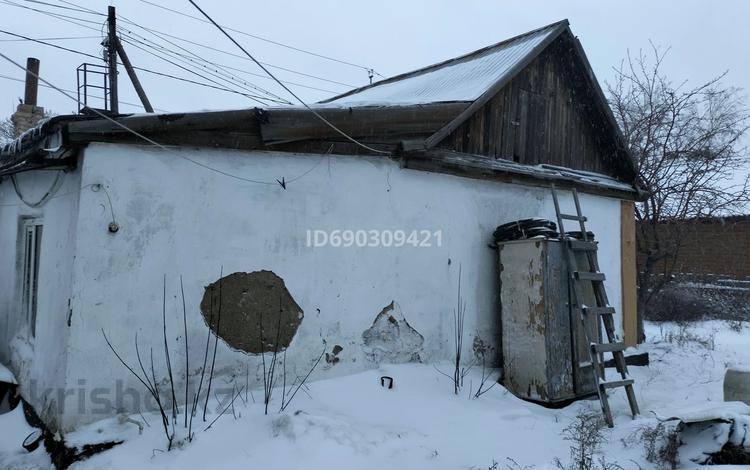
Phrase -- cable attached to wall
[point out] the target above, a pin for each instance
(113, 226)
(47, 196)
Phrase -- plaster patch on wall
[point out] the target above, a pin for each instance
(391, 339)
(256, 311)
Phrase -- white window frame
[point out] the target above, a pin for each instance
(32, 232)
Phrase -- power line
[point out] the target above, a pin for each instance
(80, 10)
(49, 12)
(264, 39)
(70, 19)
(194, 43)
(62, 18)
(21, 80)
(152, 44)
(226, 75)
(26, 38)
(326, 121)
(219, 85)
(154, 72)
(53, 39)
(257, 99)
(152, 142)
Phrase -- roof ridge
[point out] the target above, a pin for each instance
(444, 63)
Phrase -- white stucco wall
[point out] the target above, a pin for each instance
(39, 362)
(177, 218)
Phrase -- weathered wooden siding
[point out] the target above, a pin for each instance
(546, 114)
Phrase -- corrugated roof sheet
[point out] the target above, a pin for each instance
(461, 79)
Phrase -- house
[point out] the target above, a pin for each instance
(353, 247)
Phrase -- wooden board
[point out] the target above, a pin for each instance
(372, 124)
(628, 273)
(548, 113)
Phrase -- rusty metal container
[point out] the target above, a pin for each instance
(545, 357)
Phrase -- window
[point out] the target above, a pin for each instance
(32, 242)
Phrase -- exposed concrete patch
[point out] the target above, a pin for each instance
(391, 339)
(246, 299)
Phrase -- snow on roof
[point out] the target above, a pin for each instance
(465, 78)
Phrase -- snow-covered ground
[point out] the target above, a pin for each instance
(352, 422)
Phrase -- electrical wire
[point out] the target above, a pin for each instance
(156, 32)
(39, 41)
(142, 69)
(161, 34)
(68, 18)
(80, 10)
(326, 121)
(54, 39)
(148, 43)
(47, 196)
(65, 18)
(222, 74)
(149, 140)
(257, 99)
(20, 80)
(73, 19)
(7, 2)
(263, 39)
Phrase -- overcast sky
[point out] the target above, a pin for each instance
(706, 38)
(389, 36)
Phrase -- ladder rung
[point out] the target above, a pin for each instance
(609, 347)
(599, 310)
(578, 245)
(616, 383)
(579, 218)
(589, 276)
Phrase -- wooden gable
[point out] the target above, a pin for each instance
(549, 113)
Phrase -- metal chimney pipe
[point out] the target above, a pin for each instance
(32, 81)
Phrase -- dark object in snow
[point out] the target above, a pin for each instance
(31, 443)
(525, 228)
(385, 379)
(633, 360)
(113, 227)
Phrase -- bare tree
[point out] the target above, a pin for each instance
(687, 146)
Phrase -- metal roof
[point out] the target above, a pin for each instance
(464, 78)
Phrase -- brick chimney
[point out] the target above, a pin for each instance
(28, 114)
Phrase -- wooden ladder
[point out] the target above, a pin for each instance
(601, 310)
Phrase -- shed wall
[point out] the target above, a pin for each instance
(39, 362)
(177, 218)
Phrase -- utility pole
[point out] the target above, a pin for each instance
(112, 60)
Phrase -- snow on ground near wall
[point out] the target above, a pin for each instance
(351, 422)
(13, 430)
